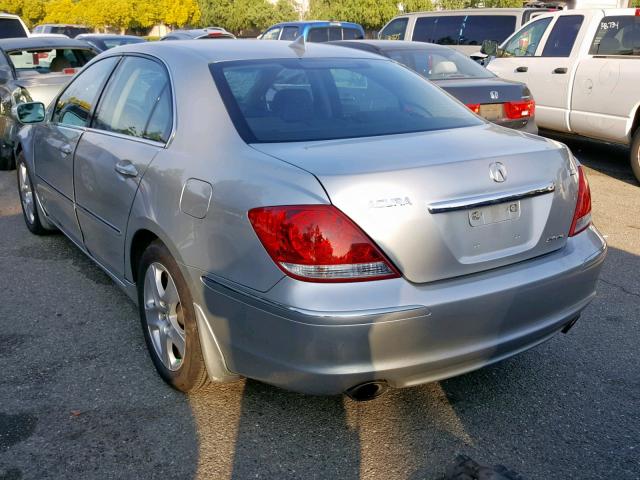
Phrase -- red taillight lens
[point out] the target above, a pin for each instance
(582, 216)
(518, 110)
(474, 107)
(319, 243)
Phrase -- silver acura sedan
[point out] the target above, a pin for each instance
(314, 217)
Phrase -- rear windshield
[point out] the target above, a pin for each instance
(463, 29)
(443, 64)
(70, 32)
(329, 34)
(40, 61)
(11, 28)
(292, 100)
(118, 41)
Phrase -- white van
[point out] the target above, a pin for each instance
(464, 30)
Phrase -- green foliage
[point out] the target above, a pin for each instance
(243, 15)
(417, 6)
(371, 14)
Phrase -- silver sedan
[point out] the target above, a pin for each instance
(314, 217)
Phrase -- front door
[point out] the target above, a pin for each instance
(132, 124)
(56, 141)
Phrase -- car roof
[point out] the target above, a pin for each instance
(40, 42)
(105, 36)
(471, 11)
(317, 22)
(61, 25)
(8, 15)
(247, 49)
(394, 45)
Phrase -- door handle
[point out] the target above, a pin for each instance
(66, 150)
(126, 168)
(522, 69)
(560, 70)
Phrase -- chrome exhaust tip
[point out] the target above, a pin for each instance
(367, 391)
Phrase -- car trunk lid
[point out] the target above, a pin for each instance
(429, 200)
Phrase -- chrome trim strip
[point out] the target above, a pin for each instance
(476, 201)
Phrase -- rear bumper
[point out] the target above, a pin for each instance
(325, 338)
(528, 126)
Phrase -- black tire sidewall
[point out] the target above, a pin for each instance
(635, 155)
(192, 373)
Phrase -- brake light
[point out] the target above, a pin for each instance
(637, 12)
(582, 215)
(474, 107)
(518, 110)
(319, 243)
(68, 71)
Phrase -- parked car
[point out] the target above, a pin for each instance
(209, 33)
(105, 41)
(581, 66)
(12, 26)
(313, 31)
(70, 31)
(504, 102)
(464, 30)
(321, 219)
(33, 69)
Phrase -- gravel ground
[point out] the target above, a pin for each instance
(79, 397)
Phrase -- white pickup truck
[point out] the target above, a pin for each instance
(583, 69)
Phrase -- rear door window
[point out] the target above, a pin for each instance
(617, 35)
(318, 34)
(289, 33)
(11, 28)
(477, 28)
(395, 30)
(443, 30)
(563, 36)
(526, 41)
(138, 89)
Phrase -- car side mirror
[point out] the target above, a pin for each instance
(30, 112)
(489, 48)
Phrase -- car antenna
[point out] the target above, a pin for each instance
(298, 45)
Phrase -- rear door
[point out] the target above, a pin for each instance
(56, 141)
(132, 124)
(605, 92)
(551, 72)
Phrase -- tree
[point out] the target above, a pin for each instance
(417, 6)
(371, 14)
(31, 11)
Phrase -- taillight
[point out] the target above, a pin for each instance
(474, 107)
(319, 243)
(518, 110)
(582, 215)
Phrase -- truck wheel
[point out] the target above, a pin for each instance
(169, 320)
(635, 154)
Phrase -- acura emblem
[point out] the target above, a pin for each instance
(494, 95)
(498, 172)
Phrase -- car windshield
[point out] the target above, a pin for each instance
(289, 100)
(46, 60)
(441, 64)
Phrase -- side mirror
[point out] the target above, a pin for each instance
(489, 48)
(30, 112)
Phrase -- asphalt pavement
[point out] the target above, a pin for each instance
(79, 397)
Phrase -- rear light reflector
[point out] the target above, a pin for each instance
(319, 243)
(68, 71)
(582, 215)
(518, 110)
(474, 107)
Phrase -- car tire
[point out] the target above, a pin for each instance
(31, 211)
(168, 320)
(635, 154)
